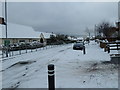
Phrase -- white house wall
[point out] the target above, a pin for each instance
(20, 32)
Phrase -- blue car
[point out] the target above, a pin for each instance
(79, 46)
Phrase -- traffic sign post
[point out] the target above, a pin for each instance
(6, 43)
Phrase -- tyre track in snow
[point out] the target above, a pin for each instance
(35, 59)
(25, 73)
(39, 67)
(44, 65)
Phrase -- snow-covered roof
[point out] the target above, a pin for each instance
(21, 31)
(46, 35)
(80, 38)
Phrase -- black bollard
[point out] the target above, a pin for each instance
(51, 77)
(84, 51)
(108, 49)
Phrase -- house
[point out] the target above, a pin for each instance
(20, 33)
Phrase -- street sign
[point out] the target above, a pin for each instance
(6, 42)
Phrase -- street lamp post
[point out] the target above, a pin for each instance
(6, 42)
(4, 22)
(6, 16)
(118, 29)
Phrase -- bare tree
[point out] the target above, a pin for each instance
(105, 28)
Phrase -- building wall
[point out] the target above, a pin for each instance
(0, 41)
(17, 40)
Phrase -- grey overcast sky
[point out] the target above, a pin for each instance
(70, 18)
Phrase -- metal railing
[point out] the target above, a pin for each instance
(11, 52)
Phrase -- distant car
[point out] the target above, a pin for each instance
(79, 46)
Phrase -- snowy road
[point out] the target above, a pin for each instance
(72, 69)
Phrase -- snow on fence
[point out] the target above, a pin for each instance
(8, 53)
(113, 46)
(115, 58)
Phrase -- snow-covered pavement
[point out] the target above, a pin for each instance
(73, 69)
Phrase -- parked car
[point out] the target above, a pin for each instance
(36, 44)
(79, 46)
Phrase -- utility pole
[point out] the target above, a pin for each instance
(6, 42)
(6, 16)
(2, 21)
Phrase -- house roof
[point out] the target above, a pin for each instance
(21, 31)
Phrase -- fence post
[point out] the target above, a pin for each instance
(12, 52)
(105, 48)
(26, 49)
(20, 52)
(51, 77)
(117, 46)
(2, 53)
(7, 52)
(108, 49)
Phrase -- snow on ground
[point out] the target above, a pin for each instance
(73, 69)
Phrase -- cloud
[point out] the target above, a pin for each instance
(62, 17)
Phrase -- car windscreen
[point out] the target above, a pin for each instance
(79, 44)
